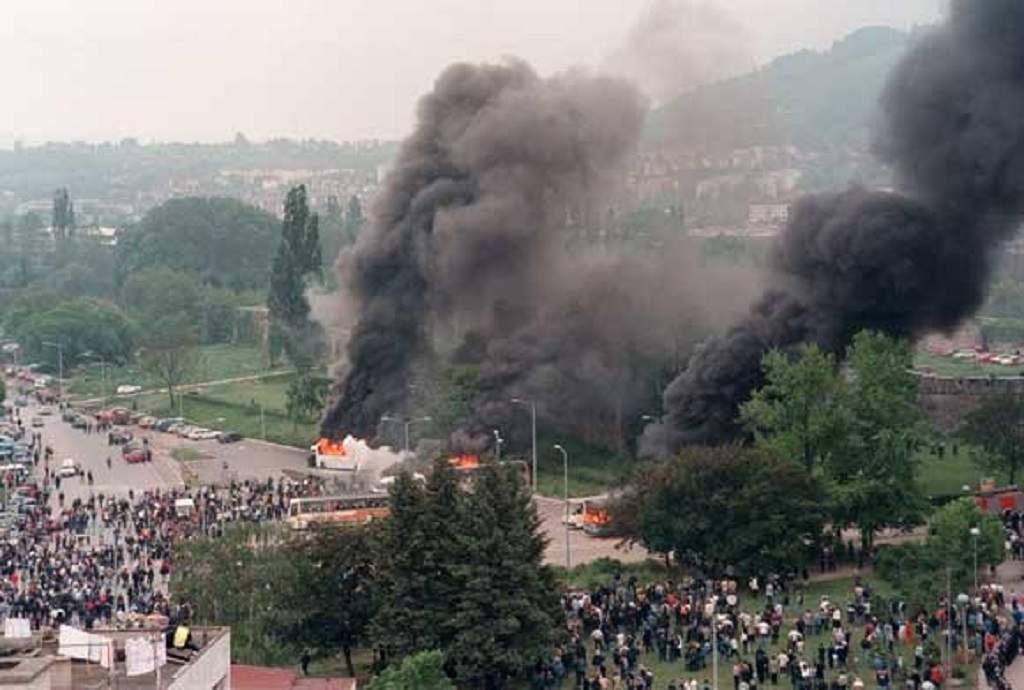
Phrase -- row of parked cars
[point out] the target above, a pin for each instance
(181, 428)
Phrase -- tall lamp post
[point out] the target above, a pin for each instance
(975, 533)
(60, 366)
(533, 435)
(498, 440)
(565, 466)
(406, 423)
(963, 600)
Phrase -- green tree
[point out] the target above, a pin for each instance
(156, 292)
(800, 412)
(305, 396)
(421, 671)
(417, 566)
(298, 258)
(63, 221)
(225, 242)
(506, 613)
(169, 348)
(876, 485)
(996, 426)
(480, 593)
(232, 579)
(79, 326)
(354, 219)
(722, 507)
(918, 570)
(330, 595)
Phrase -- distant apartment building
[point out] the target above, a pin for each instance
(768, 214)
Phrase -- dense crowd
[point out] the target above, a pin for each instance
(768, 635)
(104, 560)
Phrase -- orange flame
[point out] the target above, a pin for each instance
(465, 462)
(326, 446)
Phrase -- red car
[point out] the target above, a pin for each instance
(137, 455)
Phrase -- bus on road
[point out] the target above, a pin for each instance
(336, 510)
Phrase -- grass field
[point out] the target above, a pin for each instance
(839, 590)
(216, 362)
(947, 366)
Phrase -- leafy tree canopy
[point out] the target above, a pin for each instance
(225, 242)
(726, 508)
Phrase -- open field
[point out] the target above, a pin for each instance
(216, 362)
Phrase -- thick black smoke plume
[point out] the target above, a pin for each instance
(953, 130)
(463, 240)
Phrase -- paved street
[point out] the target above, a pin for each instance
(92, 451)
(248, 459)
(582, 548)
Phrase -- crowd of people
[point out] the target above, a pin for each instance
(767, 635)
(105, 560)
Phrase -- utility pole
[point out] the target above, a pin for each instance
(533, 436)
(497, 444)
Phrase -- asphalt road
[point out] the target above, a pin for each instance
(91, 452)
(247, 459)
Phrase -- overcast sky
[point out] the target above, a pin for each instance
(338, 69)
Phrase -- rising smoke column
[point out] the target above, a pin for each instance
(953, 130)
(467, 225)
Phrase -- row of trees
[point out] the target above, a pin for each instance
(834, 443)
(454, 570)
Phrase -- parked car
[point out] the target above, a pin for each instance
(166, 423)
(68, 415)
(120, 436)
(177, 428)
(120, 415)
(46, 411)
(184, 430)
(136, 455)
(21, 401)
(79, 422)
(128, 389)
(229, 437)
(38, 422)
(197, 433)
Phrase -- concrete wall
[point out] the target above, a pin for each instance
(946, 401)
(212, 667)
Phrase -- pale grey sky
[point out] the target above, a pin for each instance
(339, 69)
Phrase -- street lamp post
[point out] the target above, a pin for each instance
(565, 466)
(533, 435)
(406, 423)
(60, 366)
(498, 440)
(975, 533)
(963, 599)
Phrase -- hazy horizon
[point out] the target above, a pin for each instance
(200, 70)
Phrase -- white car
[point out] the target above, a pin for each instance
(197, 433)
(68, 468)
(205, 435)
(128, 389)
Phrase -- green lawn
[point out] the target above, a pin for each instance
(948, 472)
(599, 573)
(947, 366)
(216, 362)
(592, 470)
